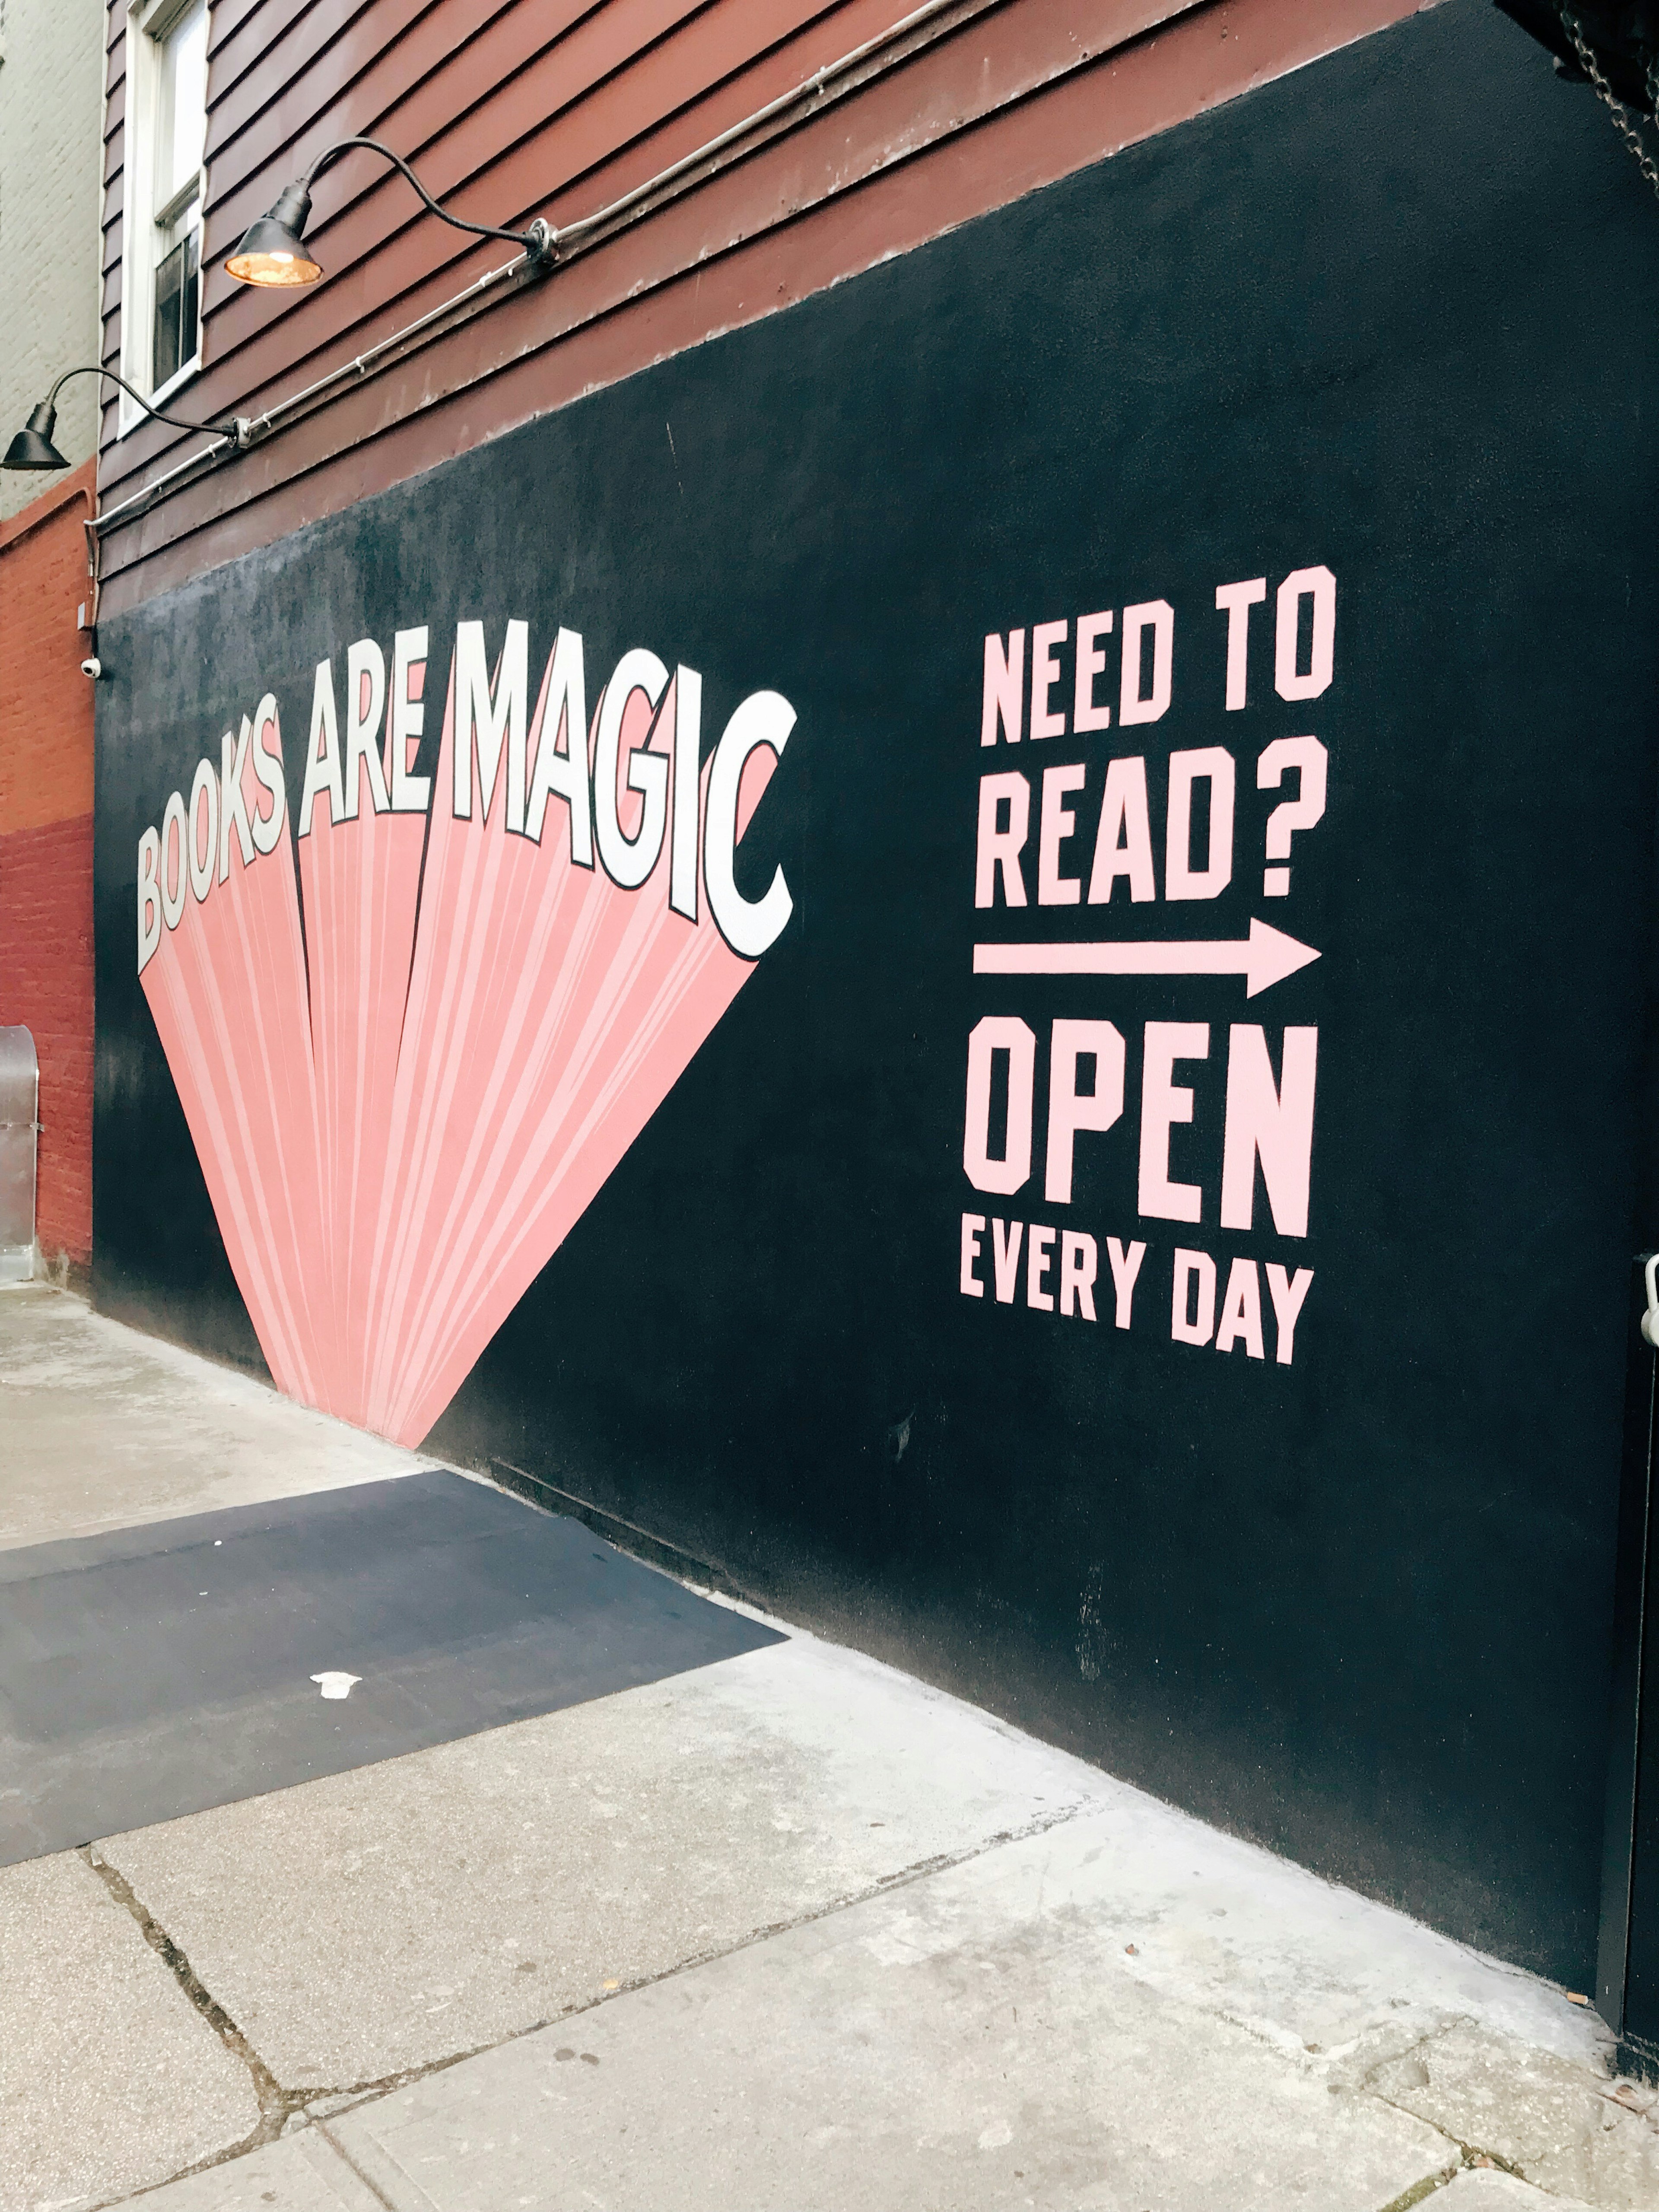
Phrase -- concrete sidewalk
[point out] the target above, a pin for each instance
(789, 1931)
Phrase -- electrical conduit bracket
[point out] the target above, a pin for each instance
(541, 245)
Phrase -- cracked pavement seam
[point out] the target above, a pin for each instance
(1429, 2185)
(1472, 2154)
(282, 2111)
(276, 2103)
(338, 2102)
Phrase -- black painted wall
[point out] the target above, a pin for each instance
(1395, 315)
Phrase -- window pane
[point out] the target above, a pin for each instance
(181, 117)
(178, 283)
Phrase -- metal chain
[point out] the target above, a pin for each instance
(1615, 107)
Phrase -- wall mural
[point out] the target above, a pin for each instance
(408, 1069)
(1129, 1214)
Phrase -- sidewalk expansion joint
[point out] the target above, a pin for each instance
(340, 2100)
(347, 2160)
(282, 2111)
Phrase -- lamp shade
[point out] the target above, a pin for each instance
(32, 448)
(272, 251)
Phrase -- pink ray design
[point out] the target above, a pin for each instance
(227, 988)
(401, 1119)
(360, 880)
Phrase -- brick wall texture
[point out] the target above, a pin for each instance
(45, 845)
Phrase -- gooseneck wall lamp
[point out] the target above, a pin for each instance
(273, 251)
(32, 448)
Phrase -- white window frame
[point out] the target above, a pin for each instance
(149, 22)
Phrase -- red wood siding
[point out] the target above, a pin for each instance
(514, 108)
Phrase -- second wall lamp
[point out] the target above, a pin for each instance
(32, 448)
(273, 251)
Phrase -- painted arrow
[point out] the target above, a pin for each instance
(1263, 958)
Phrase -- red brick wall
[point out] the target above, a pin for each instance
(45, 843)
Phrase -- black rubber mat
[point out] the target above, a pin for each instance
(157, 1671)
